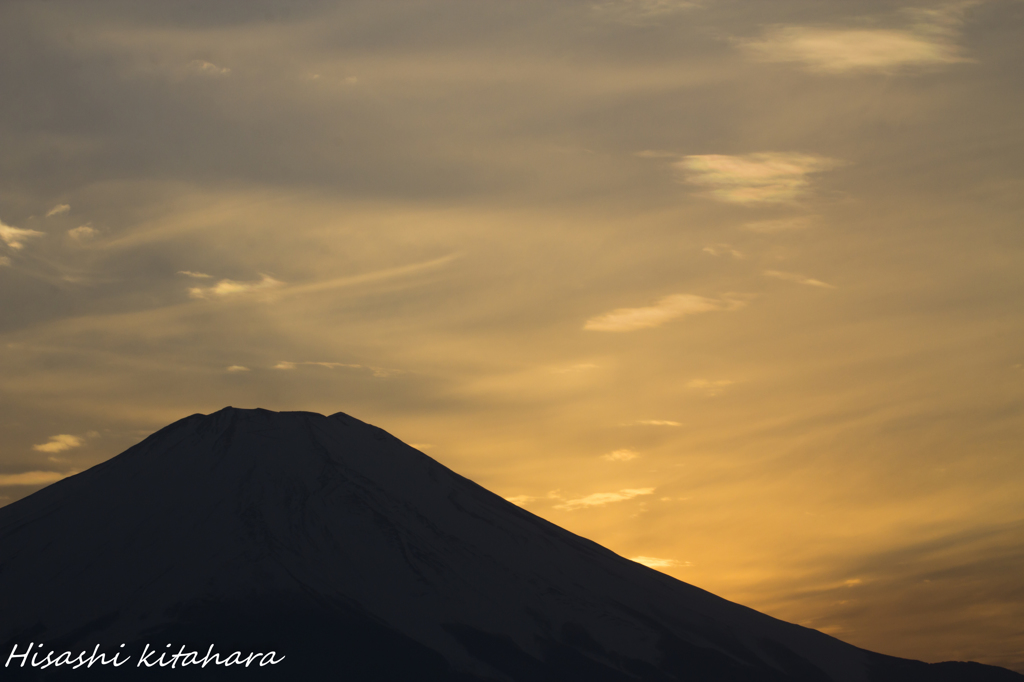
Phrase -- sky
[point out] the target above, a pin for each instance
(733, 288)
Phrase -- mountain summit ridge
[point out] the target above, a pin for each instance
(331, 541)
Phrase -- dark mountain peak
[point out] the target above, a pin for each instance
(331, 541)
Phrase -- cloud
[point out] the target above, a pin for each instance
(658, 422)
(570, 369)
(836, 50)
(765, 177)
(721, 250)
(711, 387)
(376, 371)
(4, 260)
(668, 308)
(331, 365)
(705, 383)
(598, 499)
(208, 68)
(59, 443)
(620, 456)
(59, 209)
(929, 41)
(229, 287)
(799, 279)
(15, 236)
(654, 562)
(31, 478)
(780, 225)
(656, 154)
(237, 368)
(197, 275)
(285, 364)
(372, 277)
(520, 500)
(640, 12)
(81, 233)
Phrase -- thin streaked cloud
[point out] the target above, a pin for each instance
(32, 478)
(656, 154)
(571, 369)
(208, 68)
(722, 250)
(761, 178)
(655, 562)
(599, 499)
(929, 40)
(799, 279)
(667, 309)
(197, 275)
(59, 443)
(641, 12)
(228, 287)
(285, 364)
(237, 368)
(712, 387)
(59, 209)
(623, 455)
(15, 237)
(376, 371)
(780, 224)
(82, 233)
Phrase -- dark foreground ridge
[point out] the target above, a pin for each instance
(356, 557)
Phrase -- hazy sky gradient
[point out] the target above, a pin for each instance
(733, 288)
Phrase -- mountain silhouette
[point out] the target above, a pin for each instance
(353, 556)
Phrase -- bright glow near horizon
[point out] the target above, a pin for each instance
(735, 294)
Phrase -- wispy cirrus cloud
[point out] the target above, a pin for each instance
(572, 369)
(799, 279)
(59, 443)
(929, 40)
(82, 233)
(656, 154)
(780, 224)
(666, 309)
(32, 478)
(654, 562)
(58, 210)
(15, 237)
(285, 364)
(760, 178)
(711, 387)
(208, 68)
(237, 368)
(197, 275)
(658, 422)
(706, 383)
(229, 287)
(640, 12)
(722, 250)
(598, 499)
(623, 455)
(376, 371)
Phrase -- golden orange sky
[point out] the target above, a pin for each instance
(735, 289)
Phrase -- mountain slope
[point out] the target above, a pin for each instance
(352, 554)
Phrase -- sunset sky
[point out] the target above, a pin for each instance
(733, 288)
